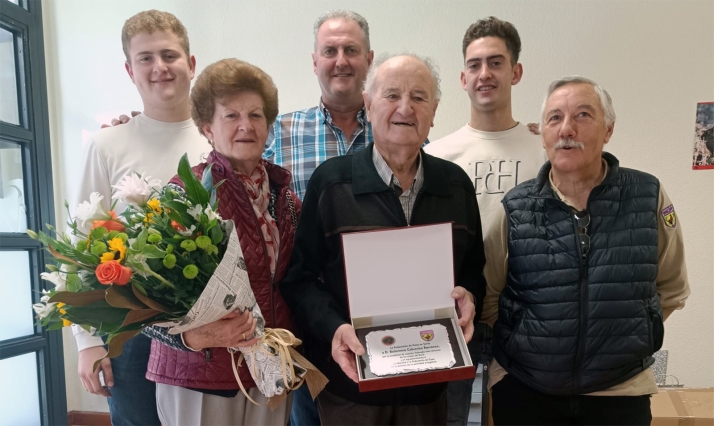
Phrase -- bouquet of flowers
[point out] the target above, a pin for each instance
(168, 260)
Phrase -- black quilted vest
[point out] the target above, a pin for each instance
(572, 325)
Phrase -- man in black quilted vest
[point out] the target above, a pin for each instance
(593, 263)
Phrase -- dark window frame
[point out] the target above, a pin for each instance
(33, 136)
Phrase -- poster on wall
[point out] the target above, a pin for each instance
(703, 158)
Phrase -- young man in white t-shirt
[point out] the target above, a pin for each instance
(495, 150)
(161, 67)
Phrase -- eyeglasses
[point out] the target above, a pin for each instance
(583, 219)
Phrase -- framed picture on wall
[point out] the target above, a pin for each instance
(703, 157)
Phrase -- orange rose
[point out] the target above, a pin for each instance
(110, 224)
(112, 272)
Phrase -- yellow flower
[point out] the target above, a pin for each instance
(148, 218)
(106, 257)
(154, 204)
(65, 323)
(117, 245)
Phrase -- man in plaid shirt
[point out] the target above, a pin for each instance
(301, 140)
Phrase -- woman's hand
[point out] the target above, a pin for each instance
(232, 331)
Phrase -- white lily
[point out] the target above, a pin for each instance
(211, 214)
(89, 211)
(195, 211)
(135, 189)
(56, 279)
(43, 309)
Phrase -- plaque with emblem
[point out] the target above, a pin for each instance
(409, 349)
(399, 284)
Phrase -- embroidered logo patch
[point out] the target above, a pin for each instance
(670, 219)
(427, 335)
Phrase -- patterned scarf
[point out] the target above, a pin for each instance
(259, 191)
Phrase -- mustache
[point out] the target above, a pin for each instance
(569, 143)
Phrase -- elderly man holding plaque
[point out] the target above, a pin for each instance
(392, 183)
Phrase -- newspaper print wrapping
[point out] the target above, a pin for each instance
(228, 290)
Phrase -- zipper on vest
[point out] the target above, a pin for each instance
(208, 355)
(582, 329)
(582, 332)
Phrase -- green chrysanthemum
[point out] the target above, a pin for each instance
(154, 238)
(169, 261)
(98, 248)
(190, 272)
(82, 245)
(188, 245)
(203, 242)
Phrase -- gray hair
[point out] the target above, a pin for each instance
(605, 99)
(372, 73)
(347, 15)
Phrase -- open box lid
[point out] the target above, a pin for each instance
(399, 270)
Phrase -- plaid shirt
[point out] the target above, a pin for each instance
(302, 140)
(408, 196)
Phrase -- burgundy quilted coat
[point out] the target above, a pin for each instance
(202, 370)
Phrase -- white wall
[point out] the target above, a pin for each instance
(656, 58)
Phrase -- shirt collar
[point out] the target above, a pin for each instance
(606, 169)
(388, 177)
(325, 117)
(365, 178)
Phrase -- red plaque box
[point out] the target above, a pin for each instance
(398, 278)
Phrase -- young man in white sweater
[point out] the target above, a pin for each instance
(495, 150)
(160, 65)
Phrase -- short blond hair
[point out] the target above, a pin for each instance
(229, 77)
(150, 21)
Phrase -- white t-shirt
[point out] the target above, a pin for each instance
(495, 161)
(143, 145)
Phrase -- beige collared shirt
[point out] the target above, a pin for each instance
(672, 286)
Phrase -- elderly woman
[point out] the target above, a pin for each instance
(233, 103)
